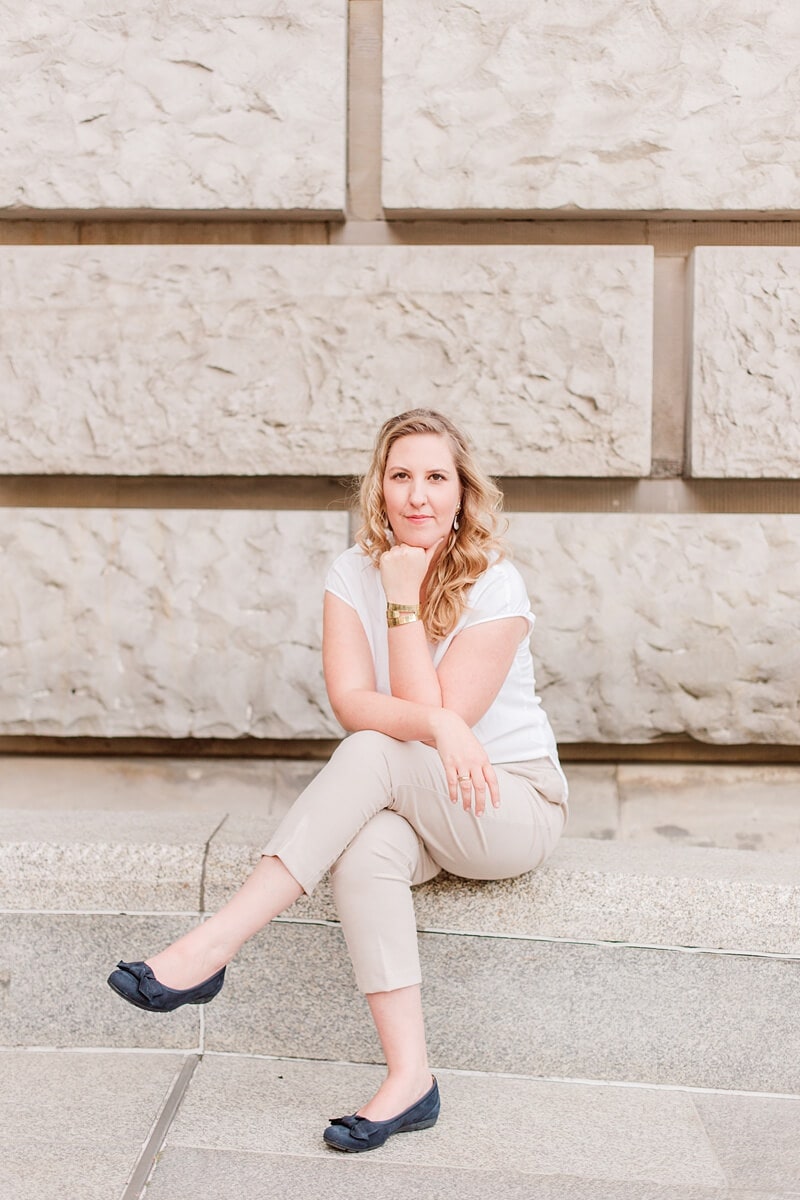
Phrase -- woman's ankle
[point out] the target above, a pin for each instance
(399, 1090)
(188, 962)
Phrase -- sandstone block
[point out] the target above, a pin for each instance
(745, 417)
(654, 626)
(520, 105)
(165, 623)
(199, 106)
(282, 360)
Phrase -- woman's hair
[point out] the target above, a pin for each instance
(468, 550)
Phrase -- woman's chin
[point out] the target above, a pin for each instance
(421, 538)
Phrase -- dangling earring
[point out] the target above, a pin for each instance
(456, 523)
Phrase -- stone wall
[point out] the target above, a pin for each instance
(232, 240)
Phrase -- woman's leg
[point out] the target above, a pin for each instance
(327, 815)
(401, 1029)
(201, 952)
(371, 882)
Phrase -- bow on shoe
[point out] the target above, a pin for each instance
(360, 1127)
(148, 986)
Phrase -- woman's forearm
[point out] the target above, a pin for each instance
(405, 720)
(412, 675)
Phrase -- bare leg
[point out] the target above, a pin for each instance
(200, 953)
(401, 1029)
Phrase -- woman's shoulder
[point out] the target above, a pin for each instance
(500, 585)
(352, 569)
(351, 559)
(501, 570)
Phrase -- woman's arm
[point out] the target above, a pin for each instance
(469, 683)
(477, 661)
(350, 680)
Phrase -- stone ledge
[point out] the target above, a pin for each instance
(589, 890)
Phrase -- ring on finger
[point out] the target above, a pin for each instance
(463, 778)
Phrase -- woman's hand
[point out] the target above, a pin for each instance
(465, 762)
(403, 569)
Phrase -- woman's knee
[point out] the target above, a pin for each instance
(386, 847)
(363, 747)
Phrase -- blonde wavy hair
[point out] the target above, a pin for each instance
(468, 550)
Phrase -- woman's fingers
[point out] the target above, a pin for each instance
(494, 786)
(462, 786)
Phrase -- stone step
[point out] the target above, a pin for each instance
(615, 961)
(91, 861)
(231, 1125)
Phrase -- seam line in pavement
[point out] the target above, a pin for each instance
(642, 1085)
(204, 864)
(147, 1158)
(608, 944)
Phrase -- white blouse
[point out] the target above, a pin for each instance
(515, 727)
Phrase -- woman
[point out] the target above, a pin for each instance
(450, 763)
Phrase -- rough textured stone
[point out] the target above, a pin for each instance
(514, 105)
(167, 623)
(745, 351)
(202, 106)
(283, 360)
(665, 625)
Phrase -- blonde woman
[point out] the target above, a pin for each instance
(450, 763)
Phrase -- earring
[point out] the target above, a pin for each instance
(456, 522)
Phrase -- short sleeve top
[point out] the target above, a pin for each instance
(515, 727)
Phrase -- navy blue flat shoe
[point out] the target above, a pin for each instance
(359, 1133)
(137, 984)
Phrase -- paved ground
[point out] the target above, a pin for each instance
(116, 1125)
(83, 1124)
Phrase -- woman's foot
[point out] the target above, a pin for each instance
(137, 984)
(396, 1093)
(357, 1132)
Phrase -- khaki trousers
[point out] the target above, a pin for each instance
(379, 817)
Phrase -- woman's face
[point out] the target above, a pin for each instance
(421, 489)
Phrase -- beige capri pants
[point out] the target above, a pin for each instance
(379, 817)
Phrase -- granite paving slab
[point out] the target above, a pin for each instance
(744, 808)
(53, 991)
(589, 889)
(73, 1124)
(183, 1173)
(758, 1145)
(543, 1008)
(151, 784)
(264, 1106)
(92, 860)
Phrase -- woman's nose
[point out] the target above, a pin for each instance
(418, 495)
